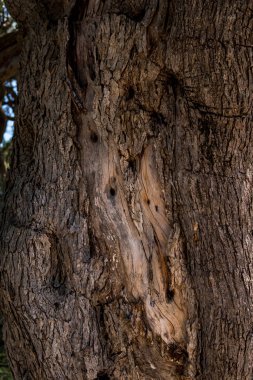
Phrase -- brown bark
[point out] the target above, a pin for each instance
(127, 235)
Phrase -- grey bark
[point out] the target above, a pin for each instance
(127, 234)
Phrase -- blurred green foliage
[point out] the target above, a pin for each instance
(7, 103)
(8, 96)
(6, 22)
(5, 373)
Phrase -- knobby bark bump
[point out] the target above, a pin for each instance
(127, 234)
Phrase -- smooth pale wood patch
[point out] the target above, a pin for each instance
(138, 254)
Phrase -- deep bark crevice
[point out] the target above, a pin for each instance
(135, 12)
(74, 20)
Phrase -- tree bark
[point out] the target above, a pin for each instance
(127, 234)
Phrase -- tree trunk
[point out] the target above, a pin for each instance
(127, 234)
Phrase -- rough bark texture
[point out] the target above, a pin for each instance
(127, 241)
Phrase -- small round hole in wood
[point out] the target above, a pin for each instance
(112, 192)
(94, 137)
